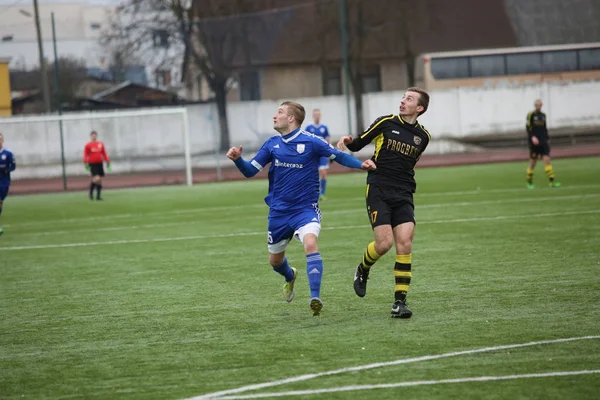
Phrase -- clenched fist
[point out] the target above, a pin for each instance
(234, 153)
(368, 165)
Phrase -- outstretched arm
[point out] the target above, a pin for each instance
(247, 168)
(357, 143)
(324, 149)
(352, 162)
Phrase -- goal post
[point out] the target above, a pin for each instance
(155, 140)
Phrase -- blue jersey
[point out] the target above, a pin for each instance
(294, 170)
(7, 165)
(319, 130)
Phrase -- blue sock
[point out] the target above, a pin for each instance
(314, 270)
(285, 270)
(323, 186)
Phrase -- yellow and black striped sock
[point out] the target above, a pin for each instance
(529, 175)
(402, 274)
(370, 257)
(549, 172)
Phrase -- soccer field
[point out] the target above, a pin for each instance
(166, 293)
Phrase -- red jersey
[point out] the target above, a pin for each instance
(95, 153)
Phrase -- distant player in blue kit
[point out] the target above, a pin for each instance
(319, 129)
(294, 193)
(7, 165)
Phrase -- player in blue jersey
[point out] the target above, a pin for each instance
(319, 129)
(294, 193)
(7, 165)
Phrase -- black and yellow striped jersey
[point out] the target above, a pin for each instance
(536, 125)
(398, 147)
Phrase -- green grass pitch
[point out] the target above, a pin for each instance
(165, 293)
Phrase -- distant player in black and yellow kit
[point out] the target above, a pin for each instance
(399, 142)
(539, 144)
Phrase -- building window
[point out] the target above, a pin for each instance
(450, 68)
(95, 26)
(160, 38)
(559, 61)
(249, 86)
(589, 59)
(332, 80)
(523, 63)
(7, 38)
(163, 77)
(371, 79)
(487, 66)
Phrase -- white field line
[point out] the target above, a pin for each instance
(502, 191)
(108, 229)
(407, 384)
(242, 234)
(333, 212)
(328, 212)
(300, 378)
(347, 199)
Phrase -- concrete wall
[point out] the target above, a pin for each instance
(151, 142)
(275, 83)
(393, 75)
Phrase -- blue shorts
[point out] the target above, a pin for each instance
(323, 163)
(296, 224)
(3, 192)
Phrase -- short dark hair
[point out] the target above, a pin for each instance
(423, 98)
(296, 109)
(93, 133)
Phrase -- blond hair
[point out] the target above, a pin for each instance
(295, 109)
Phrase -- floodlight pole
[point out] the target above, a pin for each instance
(58, 105)
(43, 70)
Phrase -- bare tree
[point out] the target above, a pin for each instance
(142, 32)
(366, 37)
(224, 38)
(211, 43)
(357, 35)
(212, 34)
(373, 34)
(406, 20)
(72, 73)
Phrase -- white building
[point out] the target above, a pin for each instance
(79, 26)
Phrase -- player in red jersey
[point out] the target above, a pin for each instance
(94, 155)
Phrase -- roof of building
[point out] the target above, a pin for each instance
(111, 90)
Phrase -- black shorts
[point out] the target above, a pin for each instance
(542, 149)
(97, 169)
(389, 206)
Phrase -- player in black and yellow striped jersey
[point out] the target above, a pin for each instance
(399, 142)
(539, 144)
